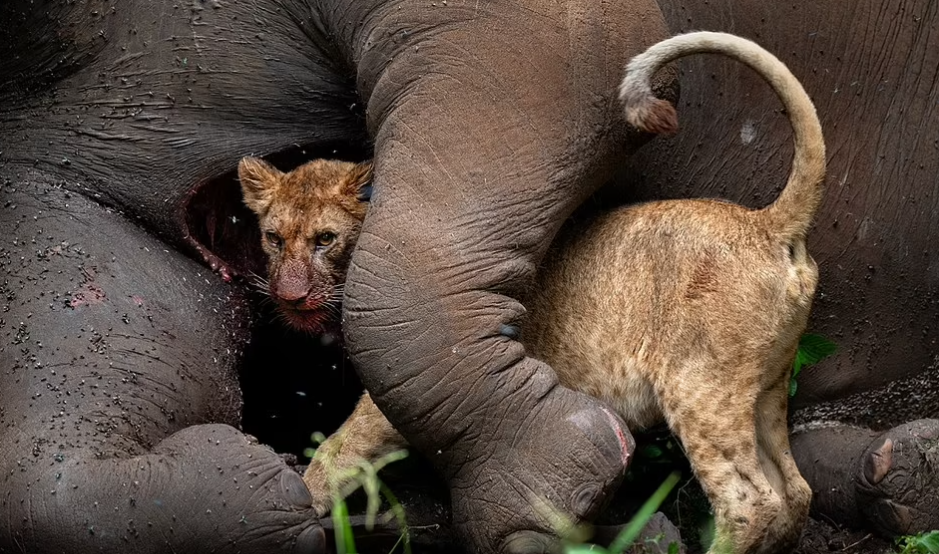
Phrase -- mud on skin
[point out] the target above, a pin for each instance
(109, 388)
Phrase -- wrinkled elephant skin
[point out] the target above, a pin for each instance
(870, 69)
(428, 346)
(107, 384)
(491, 121)
(883, 481)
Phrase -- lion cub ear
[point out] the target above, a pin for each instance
(360, 181)
(258, 180)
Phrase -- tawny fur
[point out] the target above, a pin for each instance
(684, 311)
(792, 213)
(309, 220)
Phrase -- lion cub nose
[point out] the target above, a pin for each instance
(292, 292)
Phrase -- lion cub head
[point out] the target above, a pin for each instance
(309, 219)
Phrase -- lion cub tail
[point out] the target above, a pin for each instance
(792, 213)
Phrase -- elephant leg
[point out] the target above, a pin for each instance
(517, 446)
(477, 164)
(366, 436)
(117, 373)
(877, 480)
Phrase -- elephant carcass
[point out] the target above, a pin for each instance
(120, 395)
(491, 122)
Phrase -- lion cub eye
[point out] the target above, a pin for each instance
(273, 239)
(325, 239)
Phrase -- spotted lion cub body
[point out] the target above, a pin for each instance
(683, 311)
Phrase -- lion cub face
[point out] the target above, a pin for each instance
(309, 220)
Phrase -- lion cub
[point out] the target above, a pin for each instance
(687, 311)
(309, 220)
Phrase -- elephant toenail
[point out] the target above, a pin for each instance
(528, 542)
(879, 462)
(311, 541)
(294, 489)
(584, 499)
(889, 517)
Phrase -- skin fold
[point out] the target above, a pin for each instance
(881, 479)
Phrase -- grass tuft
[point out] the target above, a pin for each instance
(364, 475)
(628, 536)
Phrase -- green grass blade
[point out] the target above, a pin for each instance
(585, 549)
(342, 527)
(398, 510)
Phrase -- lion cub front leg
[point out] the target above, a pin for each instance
(365, 435)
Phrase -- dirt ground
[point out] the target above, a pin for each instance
(822, 537)
(688, 508)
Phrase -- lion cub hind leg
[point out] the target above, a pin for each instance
(778, 463)
(365, 435)
(717, 427)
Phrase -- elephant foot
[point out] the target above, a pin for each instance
(560, 468)
(887, 482)
(898, 480)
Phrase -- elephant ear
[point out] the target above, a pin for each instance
(258, 181)
(360, 182)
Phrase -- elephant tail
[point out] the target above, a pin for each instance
(792, 213)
